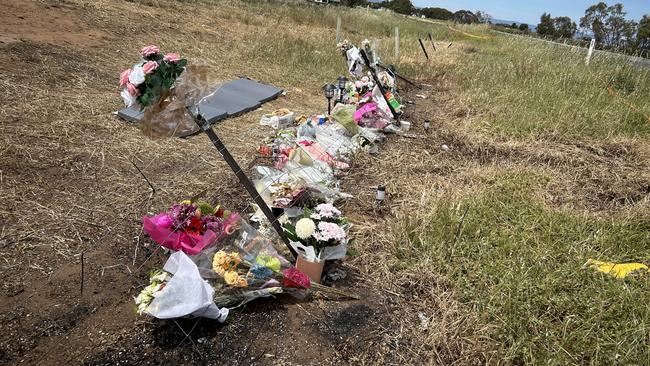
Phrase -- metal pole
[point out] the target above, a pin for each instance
(379, 85)
(423, 49)
(243, 179)
(398, 75)
(432, 44)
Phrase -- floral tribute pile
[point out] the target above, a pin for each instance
(309, 156)
(218, 261)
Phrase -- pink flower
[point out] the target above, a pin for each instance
(149, 67)
(132, 89)
(293, 277)
(149, 50)
(329, 231)
(124, 77)
(172, 57)
(163, 220)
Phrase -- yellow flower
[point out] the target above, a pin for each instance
(234, 279)
(220, 262)
(241, 282)
(233, 259)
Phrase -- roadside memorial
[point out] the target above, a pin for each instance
(218, 260)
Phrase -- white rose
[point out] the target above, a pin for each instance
(136, 77)
(129, 99)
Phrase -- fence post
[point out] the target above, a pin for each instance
(338, 30)
(396, 42)
(590, 52)
(423, 49)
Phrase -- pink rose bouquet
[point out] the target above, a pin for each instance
(151, 78)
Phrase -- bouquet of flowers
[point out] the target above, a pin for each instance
(179, 290)
(190, 226)
(247, 277)
(150, 79)
(319, 234)
(344, 46)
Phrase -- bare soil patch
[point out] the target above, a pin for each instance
(49, 22)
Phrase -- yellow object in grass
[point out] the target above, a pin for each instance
(617, 270)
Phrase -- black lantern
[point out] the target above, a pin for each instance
(329, 94)
(342, 81)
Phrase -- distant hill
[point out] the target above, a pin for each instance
(532, 27)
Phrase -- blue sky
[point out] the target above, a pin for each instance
(529, 11)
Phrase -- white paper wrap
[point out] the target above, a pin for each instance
(355, 61)
(186, 293)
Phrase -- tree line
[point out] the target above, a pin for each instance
(606, 24)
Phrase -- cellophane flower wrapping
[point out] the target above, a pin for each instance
(319, 233)
(248, 267)
(184, 228)
(169, 117)
(186, 293)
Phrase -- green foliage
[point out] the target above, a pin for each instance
(205, 208)
(437, 13)
(610, 27)
(400, 6)
(546, 26)
(564, 27)
(158, 83)
(519, 264)
(465, 17)
(643, 36)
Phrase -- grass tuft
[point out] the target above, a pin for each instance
(519, 265)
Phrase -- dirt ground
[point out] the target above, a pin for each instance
(70, 189)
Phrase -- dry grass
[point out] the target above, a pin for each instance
(553, 173)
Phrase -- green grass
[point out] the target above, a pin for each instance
(519, 265)
(526, 88)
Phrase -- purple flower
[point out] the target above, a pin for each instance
(213, 223)
(327, 210)
(181, 214)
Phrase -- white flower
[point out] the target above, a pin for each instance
(136, 77)
(305, 228)
(159, 276)
(283, 220)
(129, 99)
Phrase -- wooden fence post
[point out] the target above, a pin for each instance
(396, 42)
(338, 30)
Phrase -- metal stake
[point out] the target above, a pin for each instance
(243, 178)
(379, 85)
